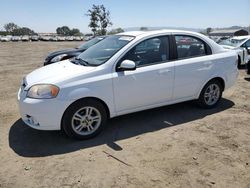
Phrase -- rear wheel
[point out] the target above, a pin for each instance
(210, 94)
(84, 119)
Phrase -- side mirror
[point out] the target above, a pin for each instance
(248, 50)
(127, 65)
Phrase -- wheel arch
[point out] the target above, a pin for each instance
(87, 98)
(218, 78)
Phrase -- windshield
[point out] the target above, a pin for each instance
(232, 42)
(90, 43)
(104, 50)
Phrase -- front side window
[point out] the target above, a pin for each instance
(104, 50)
(247, 44)
(188, 46)
(150, 51)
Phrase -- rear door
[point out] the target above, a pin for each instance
(191, 67)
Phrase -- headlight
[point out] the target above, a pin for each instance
(58, 58)
(43, 91)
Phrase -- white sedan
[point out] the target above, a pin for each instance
(126, 73)
(240, 44)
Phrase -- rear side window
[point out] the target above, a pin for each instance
(188, 46)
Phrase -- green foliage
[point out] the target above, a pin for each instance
(23, 31)
(75, 32)
(66, 31)
(115, 31)
(99, 19)
(10, 27)
(208, 30)
(13, 29)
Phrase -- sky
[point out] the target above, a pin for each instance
(47, 15)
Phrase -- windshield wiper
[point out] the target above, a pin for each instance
(82, 62)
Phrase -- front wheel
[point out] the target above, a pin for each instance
(210, 94)
(84, 119)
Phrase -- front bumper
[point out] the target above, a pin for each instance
(41, 114)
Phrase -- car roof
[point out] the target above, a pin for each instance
(155, 32)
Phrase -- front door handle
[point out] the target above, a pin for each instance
(164, 71)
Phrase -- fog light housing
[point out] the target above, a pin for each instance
(32, 121)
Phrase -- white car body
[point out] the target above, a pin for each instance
(129, 91)
(16, 38)
(241, 50)
(25, 38)
(6, 38)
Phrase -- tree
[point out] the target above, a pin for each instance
(23, 31)
(64, 30)
(143, 29)
(104, 16)
(75, 32)
(9, 27)
(208, 30)
(99, 19)
(93, 14)
(115, 31)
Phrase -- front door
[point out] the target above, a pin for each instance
(152, 81)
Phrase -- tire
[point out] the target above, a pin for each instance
(84, 119)
(248, 67)
(239, 62)
(211, 94)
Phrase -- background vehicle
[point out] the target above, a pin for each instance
(70, 38)
(6, 38)
(60, 38)
(34, 38)
(80, 94)
(69, 53)
(45, 38)
(240, 45)
(25, 38)
(54, 39)
(16, 38)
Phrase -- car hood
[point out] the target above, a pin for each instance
(56, 72)
(66, 51)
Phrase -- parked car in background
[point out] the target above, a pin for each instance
(69, 53)
(15, 38)
(119, 76)
(34, 38)
(87, 38)
(60, 38)
(70, 38)
(45, 38)
(54, 39)
(6, 38)
(25, 38)
(77, 38)
(240, 45)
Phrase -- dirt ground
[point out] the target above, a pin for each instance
(175, 146)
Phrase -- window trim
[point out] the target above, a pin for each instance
(208, 50)
(171, 50)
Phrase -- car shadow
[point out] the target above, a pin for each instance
(28, 142)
